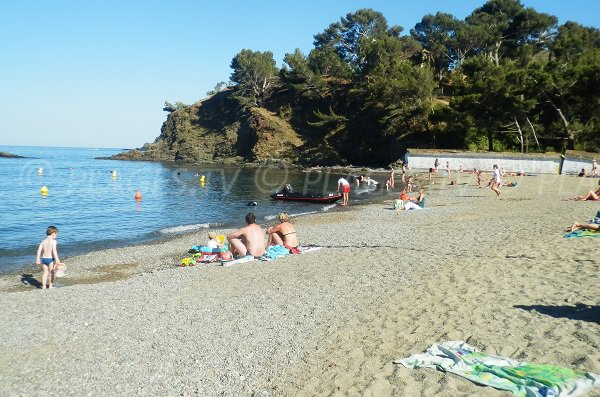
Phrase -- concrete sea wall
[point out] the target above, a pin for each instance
(546, 163)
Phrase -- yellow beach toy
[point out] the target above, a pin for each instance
(187, 262)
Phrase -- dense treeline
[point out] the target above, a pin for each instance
(505, 78)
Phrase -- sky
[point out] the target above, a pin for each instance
(97, 73)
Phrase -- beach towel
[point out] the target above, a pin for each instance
(306, 248)
(522, 379)
(243, 259)
(274, 252)
(583, 233)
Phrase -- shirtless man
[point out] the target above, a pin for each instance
(248, 240)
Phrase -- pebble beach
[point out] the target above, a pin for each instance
(494, 272)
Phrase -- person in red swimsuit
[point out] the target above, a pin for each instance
(345, 186)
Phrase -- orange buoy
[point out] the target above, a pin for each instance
(138, 196)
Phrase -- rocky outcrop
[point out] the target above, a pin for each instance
(10, 156)
(216, 130)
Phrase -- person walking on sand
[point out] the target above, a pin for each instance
(478, 175)
(345, 186)
(436, 164)
(594, 167)
(47, 256)
(496, 181)
(248, 240)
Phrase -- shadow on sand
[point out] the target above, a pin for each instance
(578, 312)
(28, 279)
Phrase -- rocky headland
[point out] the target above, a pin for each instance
(10, 156)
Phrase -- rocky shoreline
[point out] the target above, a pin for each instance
(10, 156)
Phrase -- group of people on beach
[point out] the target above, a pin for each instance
(250, 240)
(592, 174)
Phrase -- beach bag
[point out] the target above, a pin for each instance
(398, 204)
(60, 270)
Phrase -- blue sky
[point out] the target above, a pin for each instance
(97, 73)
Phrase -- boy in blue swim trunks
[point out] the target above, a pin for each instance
(47, 256)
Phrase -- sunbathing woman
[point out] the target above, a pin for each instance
(283, 234)
(590, 226)
(417, 203)
(591, 196)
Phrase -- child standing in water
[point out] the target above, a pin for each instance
(47, 256)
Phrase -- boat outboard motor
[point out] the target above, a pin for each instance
(287, 188)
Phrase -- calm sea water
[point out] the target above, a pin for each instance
(94, 210)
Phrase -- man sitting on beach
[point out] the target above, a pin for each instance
(248, 240)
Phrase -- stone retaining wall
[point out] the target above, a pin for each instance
(547, 163)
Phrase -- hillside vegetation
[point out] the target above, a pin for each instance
(506, 78)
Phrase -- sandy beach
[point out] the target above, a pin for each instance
(495, 272)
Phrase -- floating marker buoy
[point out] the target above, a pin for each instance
(40, 171)
(114, 174)
(202, 179)
(44, 190)
(138, 196)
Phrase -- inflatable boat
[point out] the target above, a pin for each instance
(288, 194)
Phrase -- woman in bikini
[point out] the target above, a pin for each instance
(591, 196)
(283, 234)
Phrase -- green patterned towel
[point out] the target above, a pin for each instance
(583, 233)
(522, 379)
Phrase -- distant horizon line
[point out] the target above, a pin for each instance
(72, 147)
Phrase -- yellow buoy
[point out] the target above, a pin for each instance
(40, 171)
(44, 190)
(202, 179)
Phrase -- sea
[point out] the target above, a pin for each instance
(93, 202)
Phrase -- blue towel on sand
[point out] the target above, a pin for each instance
(274, 252)
(583, 233)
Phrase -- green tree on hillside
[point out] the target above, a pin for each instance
(255, 75)
(505, 26)
(349, 37)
